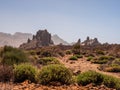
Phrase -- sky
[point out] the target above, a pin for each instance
(69, 19)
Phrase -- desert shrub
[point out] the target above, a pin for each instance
(111, 82)
(113, 69)
(103, 59)
(68, 52)
(48, 60)
(89, 55)
(46, 54)
(89, 58)
(12, 56)
(73, 58)
(55, 73)
(89, 77)
(61, 53)
(100, 52)
(32, 52)
(79, 56)
(99, 61)
(51, 51)
(116, 61)
(97, 78)
(24, 72)
(6, 73)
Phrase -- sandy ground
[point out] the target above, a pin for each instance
(83, 65)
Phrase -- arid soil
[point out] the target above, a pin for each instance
(82, 65)
(26, 86)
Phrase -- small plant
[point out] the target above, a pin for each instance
(55, 73)
(48, 60)
(89, 58)
(24, 72)
(79, 56)
(89, 77)
(32, 52)
(113, 69)
(68, 52)
(73, 58)
(100, 52)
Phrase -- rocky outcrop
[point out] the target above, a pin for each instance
(91, 42)
(42, 38)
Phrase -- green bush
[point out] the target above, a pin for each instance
(24, 72)
(89, 77)
(11, 56)
(111, 82)
(55, 73)
(97, 78)
(68, 52)
(73, 58)
(100, 52)
(113, 69)
(48, 60)
(79, 56)
(89, 58)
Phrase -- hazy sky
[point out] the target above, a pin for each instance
(70, 19)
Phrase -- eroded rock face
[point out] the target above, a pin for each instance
(91, 42)
(42, 38)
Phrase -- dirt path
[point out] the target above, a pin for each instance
(83, 65)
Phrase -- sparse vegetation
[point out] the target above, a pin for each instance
(68, 52)
(73, 58)
(55, 73)
(103, 59)
(48, 60)
(79, 56)
(89, 58)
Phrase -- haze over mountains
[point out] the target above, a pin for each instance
(18, 38)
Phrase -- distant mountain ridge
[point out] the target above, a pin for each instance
(57, 40)
(19, 38)
(14, 40)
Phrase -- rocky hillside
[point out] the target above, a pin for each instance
(15, 39)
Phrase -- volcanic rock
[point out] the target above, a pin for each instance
(42, 38)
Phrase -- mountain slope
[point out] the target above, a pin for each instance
(14, 40)
(57, 40)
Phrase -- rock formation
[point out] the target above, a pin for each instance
(91, 42)
(42, 38)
